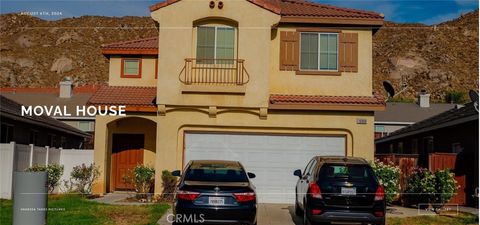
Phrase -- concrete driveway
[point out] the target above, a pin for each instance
(277, 214)
(268, 214)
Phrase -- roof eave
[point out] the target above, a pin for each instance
(332, 20)
(38, 123)
(425, 129)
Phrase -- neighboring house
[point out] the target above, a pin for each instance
(36, 130)
(398, 115)
(453, 131)
(270, 83)
(64, 96)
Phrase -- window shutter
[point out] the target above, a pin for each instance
(289, 51)
(348, 52)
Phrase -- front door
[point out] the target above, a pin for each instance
(127, 152)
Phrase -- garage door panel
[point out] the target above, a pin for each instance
(273, 158)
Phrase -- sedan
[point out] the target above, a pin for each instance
(214, 191)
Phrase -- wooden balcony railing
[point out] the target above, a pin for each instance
(214, 72)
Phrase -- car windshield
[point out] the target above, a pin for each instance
(218, 172)
(346, 171)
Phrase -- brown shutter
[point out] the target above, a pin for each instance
(348, 52)
(289, 50)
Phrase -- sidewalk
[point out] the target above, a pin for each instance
(399, 211)
(118, 198)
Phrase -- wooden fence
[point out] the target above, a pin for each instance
(436, 161)
(406, 162)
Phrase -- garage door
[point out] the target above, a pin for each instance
(273, 158)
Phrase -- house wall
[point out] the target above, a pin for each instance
(147, 73)
(177, 39)
(347, 84)
(21, 134)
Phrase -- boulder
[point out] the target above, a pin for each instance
(25, 41)
(61, 65)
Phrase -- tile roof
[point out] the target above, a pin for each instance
(410, 112)
(323, 99)
(319, 101)
(125, 95)
(13, 110)
(448, 118)
(147, 46)
(306, 10)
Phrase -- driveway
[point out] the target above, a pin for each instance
(268, 214)
(277, 214)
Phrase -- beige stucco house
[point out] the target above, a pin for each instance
(270, 83)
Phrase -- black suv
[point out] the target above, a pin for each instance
(214, 191)
(339, 189)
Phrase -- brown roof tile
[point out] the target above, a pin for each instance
(148, 46)
(320, 102)
(123, 95)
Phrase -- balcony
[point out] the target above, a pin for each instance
(214, 75)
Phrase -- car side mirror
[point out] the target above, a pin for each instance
(251, 175)
(298, 173)
(176, 173)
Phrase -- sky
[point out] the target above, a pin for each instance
(402, 11)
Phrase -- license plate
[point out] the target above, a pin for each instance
(216, 201)
(348, 191)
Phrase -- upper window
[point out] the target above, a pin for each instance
(131, 68)
(319, 51)
(215, 42)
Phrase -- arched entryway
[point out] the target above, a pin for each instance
(132, 141)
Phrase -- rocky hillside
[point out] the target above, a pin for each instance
(36, 53)
(439, 58)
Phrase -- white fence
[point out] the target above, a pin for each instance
(17, 157)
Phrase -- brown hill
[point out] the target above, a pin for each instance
(38, 53)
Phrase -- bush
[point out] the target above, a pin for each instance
(54, 173)
(456, 97)
(420, 187)
(143, 179)
(445, 188)
(169, 183)
(388, 175)
(425, 187)
(83, 177)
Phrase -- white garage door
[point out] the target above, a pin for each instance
(272, 158)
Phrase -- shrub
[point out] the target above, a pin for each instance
(169, 182)
(420, 186)
(456, 97)
(437, 188)
(388, 175)
(54, 173)
(445, 188)
(142, 177)
(83, 177)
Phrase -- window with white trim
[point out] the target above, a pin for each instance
(319, 51)
(215, 42)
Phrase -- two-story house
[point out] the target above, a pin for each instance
(270, 83)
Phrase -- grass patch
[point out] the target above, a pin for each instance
(74, 209)
(460, 219)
